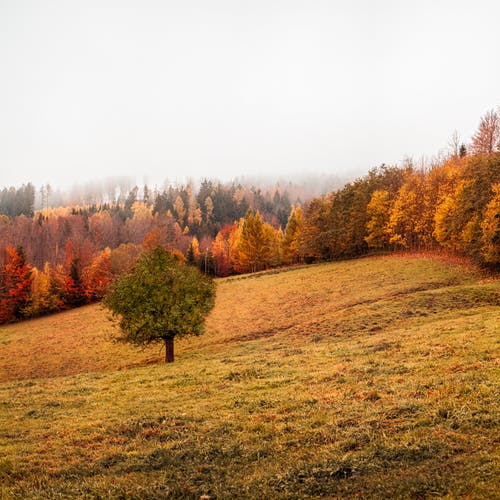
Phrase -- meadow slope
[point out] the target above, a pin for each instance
(371, 378)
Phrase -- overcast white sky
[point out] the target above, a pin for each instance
(225, 88)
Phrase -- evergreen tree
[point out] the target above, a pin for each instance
(290, 243)
(73, 285)
(254, 246)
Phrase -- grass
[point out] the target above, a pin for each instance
(374, 378)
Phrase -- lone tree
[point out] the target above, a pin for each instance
(161, 298)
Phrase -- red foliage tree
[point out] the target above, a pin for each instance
(74, 289)
(97, 276)
(15, 284)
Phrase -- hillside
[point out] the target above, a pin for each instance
(371, 378)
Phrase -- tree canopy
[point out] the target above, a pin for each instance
(161, 298)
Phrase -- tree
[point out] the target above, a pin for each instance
(15, 284)
(487, 138)
(97, 276)
(314, 235)
(291, 236)
(455, 144)
(124, 258)
(254, 246)
(491, 228)
(378, 212)
(407, 220)
(74, 289)
(180, 210)
(152, 239)
(43, 297)
(221, 250)
(160, 299)
(193, 253)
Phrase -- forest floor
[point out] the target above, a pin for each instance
(372, 378)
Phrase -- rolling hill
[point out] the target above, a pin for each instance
(372, 378)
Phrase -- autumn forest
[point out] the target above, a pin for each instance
(56, 258)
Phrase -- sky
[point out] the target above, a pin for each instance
(160, 89)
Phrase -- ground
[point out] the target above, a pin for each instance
(373, 378)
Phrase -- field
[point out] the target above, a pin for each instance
(374, 378)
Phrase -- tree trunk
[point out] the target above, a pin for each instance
(169, 350)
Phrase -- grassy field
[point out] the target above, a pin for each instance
(374, 378)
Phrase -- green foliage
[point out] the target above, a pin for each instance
(160, 299)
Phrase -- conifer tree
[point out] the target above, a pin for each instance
(254, 246)
(73, 285)
(291, 237)
(193, 253)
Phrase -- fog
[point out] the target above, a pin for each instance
(157, 90)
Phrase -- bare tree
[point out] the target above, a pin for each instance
(454, 144)
(487, 138)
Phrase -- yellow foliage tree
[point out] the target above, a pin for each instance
(193, 253)
(180, 210)
(490, 227)
(254, 246)
(405, 226)
(43, 298)
(293, 230)
(378, 213)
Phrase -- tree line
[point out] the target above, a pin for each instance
(61, 258)
(18, 201)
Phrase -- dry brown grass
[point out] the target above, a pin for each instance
(305, 301)
(66, 343)
(375, 378)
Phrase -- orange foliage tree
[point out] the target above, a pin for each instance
(491, 229)
(97, 276)
(15, 284)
